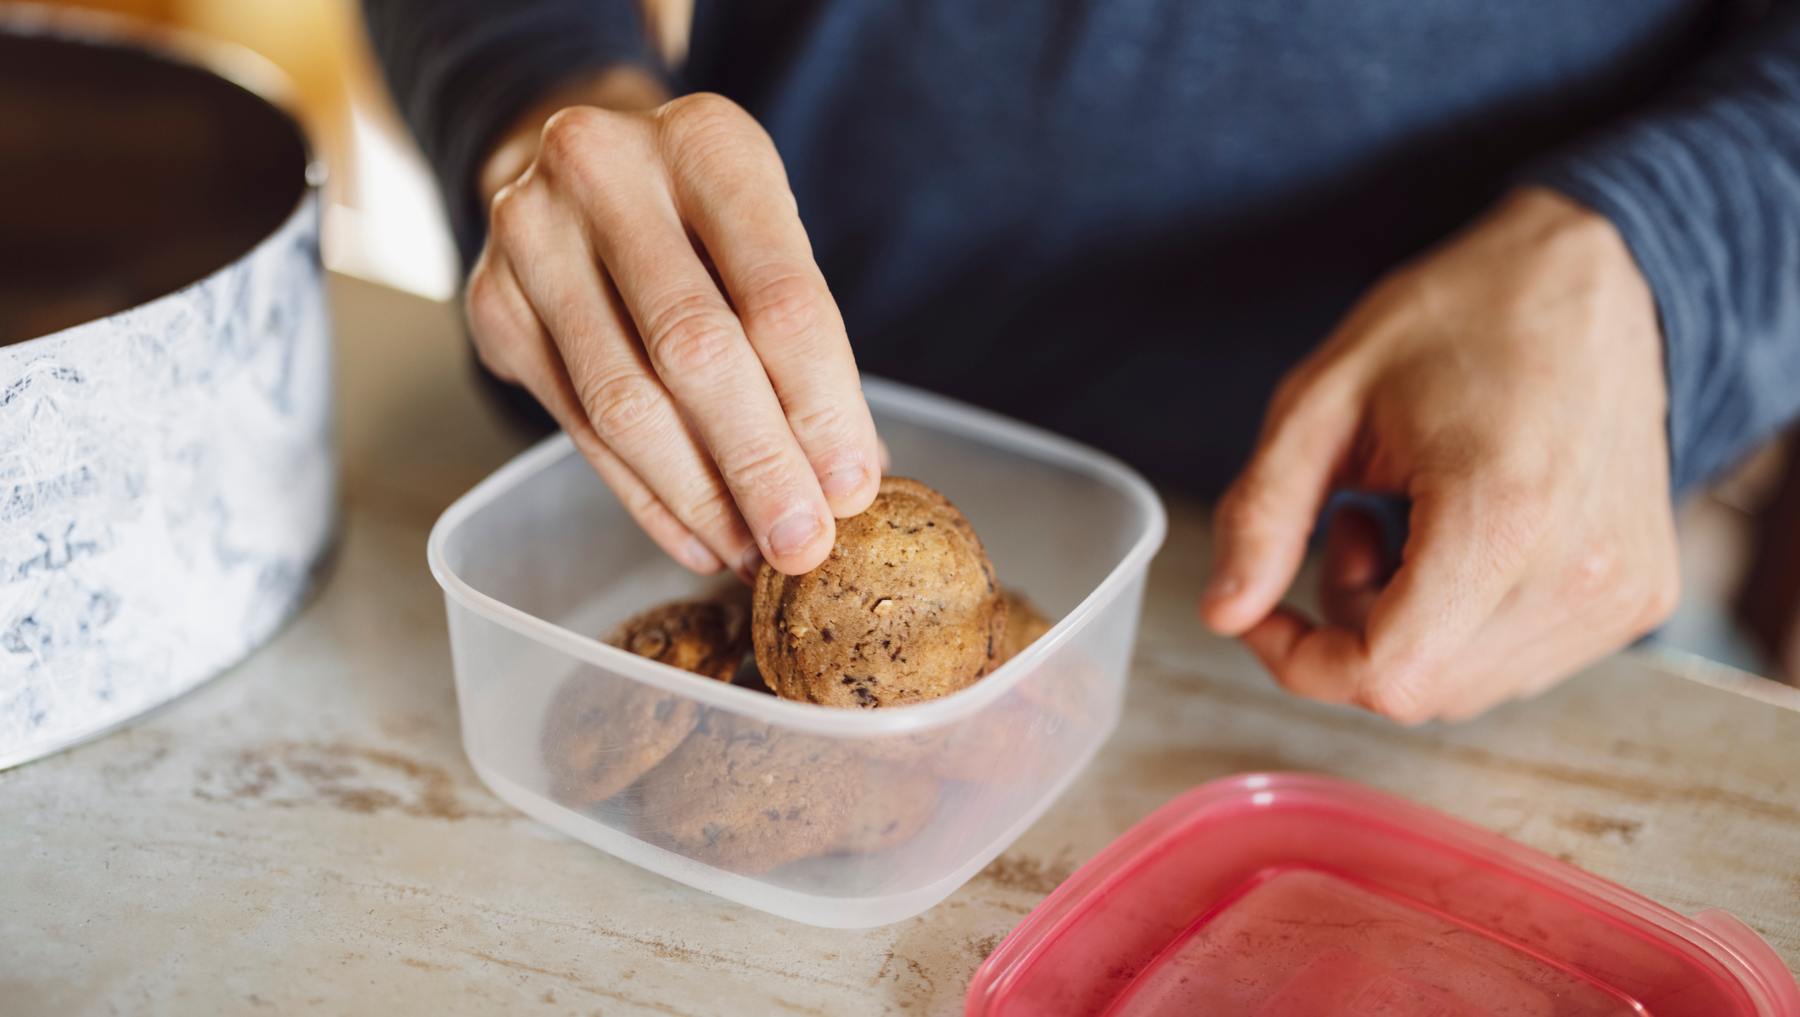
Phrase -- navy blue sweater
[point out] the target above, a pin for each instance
(1125, 219)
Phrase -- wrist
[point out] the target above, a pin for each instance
(1584, 258)
(1577, 253)
(1574, 236)
(621, 88)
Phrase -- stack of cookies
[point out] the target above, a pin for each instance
(905, 609)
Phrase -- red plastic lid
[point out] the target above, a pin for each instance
(1272, 895)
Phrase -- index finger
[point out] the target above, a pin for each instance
(737, 200)
(700, 352)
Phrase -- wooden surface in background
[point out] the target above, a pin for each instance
(304, 834)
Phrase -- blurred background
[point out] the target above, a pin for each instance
(382, 218)
(1740, 544)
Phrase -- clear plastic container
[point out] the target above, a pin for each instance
(833, 817)
(1275, 894)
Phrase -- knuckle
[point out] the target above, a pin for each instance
(641, 504)
(712, 512)
(509, 215)
(481, 297)
(654, 518)
(621, 407)
(570, 134)
(693, 334)
(493, 323)
(1400, 671)
(700, 113)
(1399, 696)
(824, 424)
(1595, 570)
(784, 305)
(703, 128)
(598, 455)
(495, 356)
(755, 463)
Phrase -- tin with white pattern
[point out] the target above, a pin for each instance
(167, 477)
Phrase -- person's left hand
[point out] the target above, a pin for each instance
(1511, 385)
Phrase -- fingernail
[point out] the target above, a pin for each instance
(793, 532)
(845, 478)
(699, 557)
(751, 565)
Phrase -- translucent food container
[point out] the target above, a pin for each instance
(1274, 894)
(834, 817)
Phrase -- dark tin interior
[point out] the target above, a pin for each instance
(124, 176)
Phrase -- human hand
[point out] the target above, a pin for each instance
(1510, 384)
(648, 279)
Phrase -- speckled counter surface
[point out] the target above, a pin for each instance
(304, 834)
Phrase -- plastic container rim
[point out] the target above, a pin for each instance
(893, 399)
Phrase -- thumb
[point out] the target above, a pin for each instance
(1261, 526)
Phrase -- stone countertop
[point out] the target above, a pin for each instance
(304, 833)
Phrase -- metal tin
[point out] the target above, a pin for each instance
(167, 477)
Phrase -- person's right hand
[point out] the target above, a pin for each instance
(647, 278)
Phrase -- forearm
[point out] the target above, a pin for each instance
(465, 73)
(1705, 189)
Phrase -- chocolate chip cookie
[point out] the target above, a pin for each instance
(1004, 747)
(743, 796)
(604, 732)
(904, 609)
(896, 806)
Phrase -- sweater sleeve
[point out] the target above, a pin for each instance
(1705, 187)
(462, 70)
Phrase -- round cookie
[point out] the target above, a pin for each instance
(904, 609)
(1007, 746)
(992, 749)
(743, 796)
(1001, 746)
(896, 806)
(604, 732)
(1024, 624)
